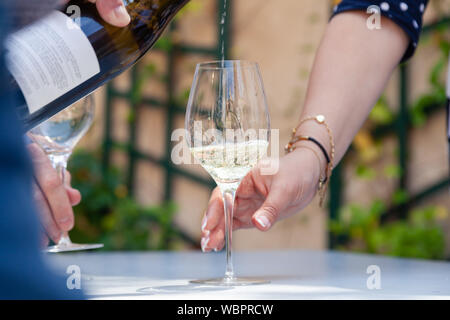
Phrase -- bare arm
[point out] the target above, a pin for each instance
(352, 66)
(350, 71)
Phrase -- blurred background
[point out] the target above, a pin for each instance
(389, 195)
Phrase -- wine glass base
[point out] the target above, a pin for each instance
(72, 247)
(230, 282)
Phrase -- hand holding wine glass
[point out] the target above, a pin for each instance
(227, 123)
(262, 200)
(57, 137)
(54, 199)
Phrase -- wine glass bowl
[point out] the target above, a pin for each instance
(58, 136)
(63, 131)
(227, 130)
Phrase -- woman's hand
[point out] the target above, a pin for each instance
(261, 200)
(53, 199)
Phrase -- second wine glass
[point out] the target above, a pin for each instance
(227, 124)
(58, 136)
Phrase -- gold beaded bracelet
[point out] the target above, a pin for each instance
(323, 181)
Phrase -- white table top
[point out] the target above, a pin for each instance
(293, 275)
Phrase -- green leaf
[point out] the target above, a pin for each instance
(400, 196)
(392, 171)
(164, 43)
(381, 113)
(365, 172)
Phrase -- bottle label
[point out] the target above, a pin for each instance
(50, 58)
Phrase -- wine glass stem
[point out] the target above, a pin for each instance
(228, 203)
(59, 162)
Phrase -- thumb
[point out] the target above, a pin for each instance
(73, 194)
(270, 210)
(113, 12)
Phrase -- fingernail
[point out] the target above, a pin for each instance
(204, 222)
(263, 221)
(121, 15)
(64, 221)
(204, 243)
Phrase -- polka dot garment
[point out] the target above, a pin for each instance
(406, 14)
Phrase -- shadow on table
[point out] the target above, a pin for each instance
(195, 287)
(168, 289)
(187, 288)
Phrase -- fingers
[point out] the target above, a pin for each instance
(285, 191)
(214, 212)
(213, 240)
(48, 224)
(73, 194)
(213, 223)
(261, 200)
(113, 12)
(268, 213)
(52, 189)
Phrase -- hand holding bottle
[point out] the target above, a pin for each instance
(98, 51)
(113, 12)
(53, 199)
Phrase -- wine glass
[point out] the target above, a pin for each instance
(58, 136)
(227, 131)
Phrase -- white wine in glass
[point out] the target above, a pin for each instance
(58, 136)
(229, 163)
(227, 124)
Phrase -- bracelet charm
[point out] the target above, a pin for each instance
(323, 181)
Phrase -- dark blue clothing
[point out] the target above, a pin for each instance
(23, 273)
(406, 14)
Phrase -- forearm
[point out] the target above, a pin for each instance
(349, 73)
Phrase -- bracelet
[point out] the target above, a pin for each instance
(290, 147)
(322, 179)
(295, 139)
(323, 182)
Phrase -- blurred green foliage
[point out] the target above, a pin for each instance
(362, 228)
(108, 215)
(381, 113)
(359, 228)
(436, 94)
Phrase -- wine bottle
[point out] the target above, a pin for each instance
(71, 52)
